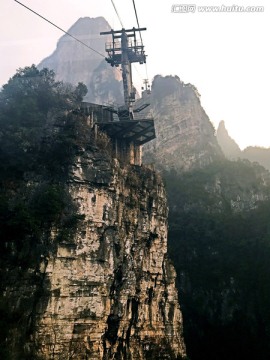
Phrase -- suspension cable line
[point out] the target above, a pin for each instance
(67, 33)
(137, 19)
(117, 14)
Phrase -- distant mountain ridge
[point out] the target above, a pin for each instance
(232, 151)
(258, 154)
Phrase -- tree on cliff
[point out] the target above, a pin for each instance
(28, 103)
(39, 90)
(38, 137)
(37, 140)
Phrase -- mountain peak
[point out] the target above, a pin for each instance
(222, 126)
(185, 136)
(73, 62)
(167, 85)
(229, 147)
(87, 25)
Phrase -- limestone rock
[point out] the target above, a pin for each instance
(111, 289)
(185, 136)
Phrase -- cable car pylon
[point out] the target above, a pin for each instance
(124, 50)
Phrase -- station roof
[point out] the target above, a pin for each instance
(139, 131)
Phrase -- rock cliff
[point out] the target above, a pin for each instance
(112, 287)
(106, 289)
(185, 135)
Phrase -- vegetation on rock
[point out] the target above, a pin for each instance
(219, 240)
(38, 138)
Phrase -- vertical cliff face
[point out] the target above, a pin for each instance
(111, 287)
(106, 289)
(185, 135)
(84, 272)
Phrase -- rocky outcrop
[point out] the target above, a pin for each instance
(185, 135)
(106, 289)
(74, 62)
(112, 290)
(229, 147)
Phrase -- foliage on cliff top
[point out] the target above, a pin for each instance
(38, 139)
(30, 104)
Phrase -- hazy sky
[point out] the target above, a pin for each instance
(224, 54)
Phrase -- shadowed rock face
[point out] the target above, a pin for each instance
(106, 289)
(73, 62)
(185, 135)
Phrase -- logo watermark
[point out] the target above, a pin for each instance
(191, 8)
(183, 8)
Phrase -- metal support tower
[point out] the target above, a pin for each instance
(124, 50)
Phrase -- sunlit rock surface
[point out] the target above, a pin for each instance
(111, 287)
(185, 136)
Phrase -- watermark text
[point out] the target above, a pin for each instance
(191, 8)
